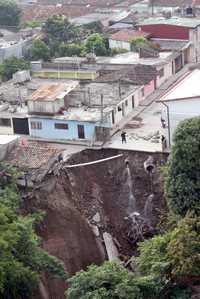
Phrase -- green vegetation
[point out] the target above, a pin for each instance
(70, 49)
(32, 24)
(59, 29)
(9, 13)
(111, 280)
(183, 178)
(141, 42)
(22, 261)
(11, 66)
(39, 50)
(96, 43)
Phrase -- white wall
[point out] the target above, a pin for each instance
(127, 108)
(167, 73)
(45, 106)
(180, 110)
(119, 44)
(4, 130)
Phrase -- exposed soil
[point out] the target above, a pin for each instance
(74, 196)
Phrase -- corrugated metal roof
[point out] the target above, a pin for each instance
(175, 21)
(52, 92)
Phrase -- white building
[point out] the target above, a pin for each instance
(181, 102)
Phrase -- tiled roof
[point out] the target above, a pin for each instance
(42, 12)
(170, 45)
(31, 154)
(128, 34)
(137, 75)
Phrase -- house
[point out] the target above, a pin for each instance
(86, 112)
(138, 75)
(182, 101)
(166, 63)
(176, 28)
(122, 39)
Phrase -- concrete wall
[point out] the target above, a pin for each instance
(194, 37)
(149, 88)
(6, 148)
(168, 72)
(45, 106)
(126, 106)
(6, 130)
(48, 130)
(119, 44)
(179, 110)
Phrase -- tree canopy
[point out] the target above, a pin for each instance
(183, 177)
(9, 13)
(22, 260)
(40, 50)
(96, 43)
(11, 66)
(58, 29)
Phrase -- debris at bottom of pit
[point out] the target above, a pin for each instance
(137, 228)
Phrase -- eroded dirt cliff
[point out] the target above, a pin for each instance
(83, 202)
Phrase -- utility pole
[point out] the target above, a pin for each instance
(101, 108)
(152, 7)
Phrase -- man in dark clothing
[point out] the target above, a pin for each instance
(123, 136)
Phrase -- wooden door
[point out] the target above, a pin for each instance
(81, 132)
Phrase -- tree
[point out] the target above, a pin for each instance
(70, 49)
(22, 260)
(40, 50)
(184, 248)
(182, 185)
(9, 13)
(105, 282)
(58, 28)
(97, 44)
(11, 66)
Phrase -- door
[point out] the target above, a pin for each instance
(123, 112)
(81, 132)
(20, 126)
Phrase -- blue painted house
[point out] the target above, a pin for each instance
(68, 111)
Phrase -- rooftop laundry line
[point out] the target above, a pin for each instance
(94, 162)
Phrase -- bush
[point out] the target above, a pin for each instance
(11, 66)
(182, 185)
(70, 50)
(40, 50)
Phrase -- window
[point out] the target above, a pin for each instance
(161, 73)
(36, 125)
(5, 122)
(126, 103)
(60, 126)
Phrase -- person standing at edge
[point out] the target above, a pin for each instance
(123, 136)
